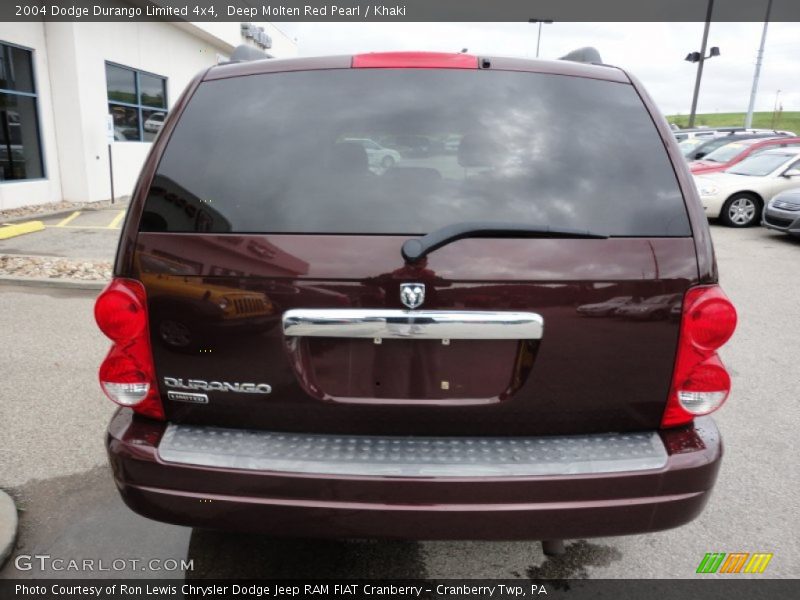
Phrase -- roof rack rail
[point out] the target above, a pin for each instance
(732, 130)
(243, 53)
(586, 54)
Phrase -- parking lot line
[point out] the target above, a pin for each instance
(9, 231)
(117, 220)
(105, 227)
(72, 217)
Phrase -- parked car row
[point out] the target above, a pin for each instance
(708, 133)
(738, 195)
(699, 148)
(746, 177)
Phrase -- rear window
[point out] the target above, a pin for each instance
(407, 151)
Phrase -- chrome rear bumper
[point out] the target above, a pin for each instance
(411, 456)
(177, 476)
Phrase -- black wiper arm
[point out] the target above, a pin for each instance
(417, 248)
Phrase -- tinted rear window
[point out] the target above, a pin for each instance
(406, 151)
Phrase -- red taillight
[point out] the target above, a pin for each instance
(700, 383)
(120, 312)
(127, 375)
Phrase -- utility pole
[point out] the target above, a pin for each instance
(538, 39)
(748, 120)
(700, 63)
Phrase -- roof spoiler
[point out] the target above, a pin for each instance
(584, 55)
(243, 53)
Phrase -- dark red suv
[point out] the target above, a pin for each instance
(425, 369)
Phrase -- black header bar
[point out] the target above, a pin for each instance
(399, 10)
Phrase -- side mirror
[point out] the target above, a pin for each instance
(795, 172)
(699, 155)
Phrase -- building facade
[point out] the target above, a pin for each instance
(82, 101)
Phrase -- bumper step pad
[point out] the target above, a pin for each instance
(385, 456)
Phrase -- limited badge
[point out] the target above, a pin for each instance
(188, 397)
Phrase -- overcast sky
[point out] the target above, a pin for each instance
(654, 52)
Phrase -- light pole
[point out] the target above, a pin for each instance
(700, 59)
(775, 110)
(748, 120)
(539, 36)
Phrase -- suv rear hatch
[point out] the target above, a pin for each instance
(273, 231)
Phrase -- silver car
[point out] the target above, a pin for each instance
(783, 213)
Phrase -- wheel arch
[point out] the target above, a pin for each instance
(756, 196)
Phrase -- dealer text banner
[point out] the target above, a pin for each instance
(452, 589)
(402, 10)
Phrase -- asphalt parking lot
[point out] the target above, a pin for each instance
(53, 417)
(84, 234)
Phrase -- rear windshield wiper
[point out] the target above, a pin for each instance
(417, 248)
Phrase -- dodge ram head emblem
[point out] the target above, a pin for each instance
(412, 294)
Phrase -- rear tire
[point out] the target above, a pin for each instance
(387, 162)
(741, 210)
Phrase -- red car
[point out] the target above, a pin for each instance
(448, 385)
(728, 155)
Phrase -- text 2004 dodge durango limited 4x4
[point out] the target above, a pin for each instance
(428, 372)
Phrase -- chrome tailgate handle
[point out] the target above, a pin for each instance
(412, 324)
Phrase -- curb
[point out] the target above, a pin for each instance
(64, 211)
(75, 284)
(8, 526)
(39, 216)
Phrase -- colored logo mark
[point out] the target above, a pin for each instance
(734, 562)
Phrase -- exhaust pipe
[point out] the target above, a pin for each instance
(553, 547)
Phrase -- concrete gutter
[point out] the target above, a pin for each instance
(8, 526)
(75, 284)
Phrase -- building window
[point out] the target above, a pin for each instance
(20, 147)
(137, 101)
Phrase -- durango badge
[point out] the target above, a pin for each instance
(412, 294)
(218, 386)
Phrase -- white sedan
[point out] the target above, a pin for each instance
(738, 195)
(154, 122)
(378, 156)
